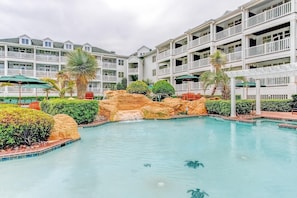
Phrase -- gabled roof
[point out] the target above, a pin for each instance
(59, 45)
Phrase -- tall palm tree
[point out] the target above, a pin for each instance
(218, 59)
(83, 67)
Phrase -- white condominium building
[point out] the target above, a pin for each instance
(260, 33)
(44, 58)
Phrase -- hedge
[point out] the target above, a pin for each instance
(82, 111)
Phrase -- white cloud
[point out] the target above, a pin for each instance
(115, 25)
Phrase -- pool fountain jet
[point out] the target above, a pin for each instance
(128, 115)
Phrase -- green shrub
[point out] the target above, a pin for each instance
(82, 111)
(138, 87)
(276, 105)
(223, 107)
(163, 87)
(22, 126)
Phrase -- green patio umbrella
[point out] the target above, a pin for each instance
(21, 80)
(36, 86)
(181, 79)
(247, 84)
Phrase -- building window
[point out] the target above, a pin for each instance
(25, 41)
(154, 72)
(121, 74)
(47, 44)
(88, 48)
(68, 46)
(154, 59)
(121, 62)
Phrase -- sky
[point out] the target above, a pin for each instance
(122, 26)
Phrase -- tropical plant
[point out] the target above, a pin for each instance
(60, 87)
(163, 87)
(218, 59)
(217, 77)
(82, 66)
(138, 87)
(122, 85)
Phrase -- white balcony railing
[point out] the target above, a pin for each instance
(279, 81)
(200, 63)
(133, 70)
(164, 54)
(47, 58)
(64, 59)
(268, 15)
(200, 41)
(180, 50)
(164, 71)
(98, 77)
(236, 56)
(20, 55)
(192, 86)
(94, 89)
(108, 65)
(2, 54)
(181, 68)
(271, 47)
(109, 78)
(20, 71)
(1, 72)
(49, 74)
(229, 32)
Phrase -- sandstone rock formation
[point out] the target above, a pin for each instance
(120, 105)
(65, 127)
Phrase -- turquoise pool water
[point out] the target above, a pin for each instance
(146, 159)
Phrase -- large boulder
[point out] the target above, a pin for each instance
(65, 127)
(120, 105)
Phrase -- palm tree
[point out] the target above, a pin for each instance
(216, 78)
(83, 67)
(218, 59)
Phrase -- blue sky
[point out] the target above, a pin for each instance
(115, 25)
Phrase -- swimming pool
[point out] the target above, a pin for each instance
(147, 159)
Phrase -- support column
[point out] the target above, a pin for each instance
(233, 98)
(258, 97)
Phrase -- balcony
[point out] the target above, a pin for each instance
(164, 71)
(47, 58)
(193, 86)
(181, 68)
(98, 77)
(2, 54)
(180, 50)
(279, 81)
(64, 59)
(20, 71)
(164, 54)
(200, 63)
(108, 65)
(107, 78)
(229, 32)
(200, 41)
(20, 55)
(268, 15)
(133, 70)
(1, 72)
(236, 56)
(49, 74)
(268, 48)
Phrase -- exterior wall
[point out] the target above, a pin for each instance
(38, 61)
